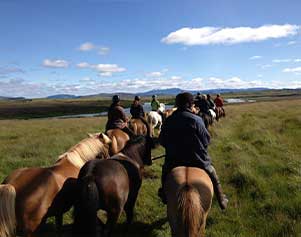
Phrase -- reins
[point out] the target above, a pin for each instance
(158, 157)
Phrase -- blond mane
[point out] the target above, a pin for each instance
(86, 150)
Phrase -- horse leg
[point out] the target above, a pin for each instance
(113, 216)
(59, 223)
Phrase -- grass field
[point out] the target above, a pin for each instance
(256, 150)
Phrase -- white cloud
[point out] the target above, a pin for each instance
(8, 70)
(87, 86)
(88, 46)
(105, 70)
(259, 75)
(57, 63)
(175, 78)
(291, 42)
(255, 57)
(216, 35)
(296, 69)
(297, 60)
(287, 60)
(104, 50)
(155, 74)
(83, 65)
(265, 66)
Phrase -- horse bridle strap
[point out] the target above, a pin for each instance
(158, 157)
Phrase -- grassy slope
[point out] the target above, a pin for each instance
(256, 150)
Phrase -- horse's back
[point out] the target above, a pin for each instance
(194, 176)
(138, 126)
(189, 194)
(111, 179)
(119, 139)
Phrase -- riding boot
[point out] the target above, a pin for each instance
(221, 197)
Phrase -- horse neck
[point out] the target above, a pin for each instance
(136, 152)
(84, 151)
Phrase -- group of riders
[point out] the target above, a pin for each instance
(183, 134)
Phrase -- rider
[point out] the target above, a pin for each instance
(210, 102)
(190, 148)
(137, 110)
(219, 102)
(155, 104)
(203, 104)
(117, 117)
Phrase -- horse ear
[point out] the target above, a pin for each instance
(105, 138)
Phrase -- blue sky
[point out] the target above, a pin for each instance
(95, 46)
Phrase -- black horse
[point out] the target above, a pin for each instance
(111, 185)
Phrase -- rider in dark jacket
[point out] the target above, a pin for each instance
(117, 117)
(203, 104)
(210, 102)
(186, 140)
(137, 110)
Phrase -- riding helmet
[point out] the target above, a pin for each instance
(115, 98)
(137, 97)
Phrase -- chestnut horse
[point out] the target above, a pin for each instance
(29, 195)
(118, 140)
(138, 127)
(187, 210)
(220, 112)
(111, 185)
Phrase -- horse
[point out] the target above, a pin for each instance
(30, 195)
(220, 112)
(208, 120)
(118, 138)
(187, 211)
(155, 119)
(111, 185)
(212, 113)
(138, 127)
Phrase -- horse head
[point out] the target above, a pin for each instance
(162, 107)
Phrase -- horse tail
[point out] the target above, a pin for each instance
(85, 208)
(7, 210)
(190, 211)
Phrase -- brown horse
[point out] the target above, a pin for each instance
(138, 127)
(111, 185)
(29, 195)
(220, 112)
(188, 209)
(118, 138)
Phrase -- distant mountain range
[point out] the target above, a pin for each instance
(163, 92)
(11, 98)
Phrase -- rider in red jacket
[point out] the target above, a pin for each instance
(218, 101)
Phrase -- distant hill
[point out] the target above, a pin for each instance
(160, 92)
(62, 96)
(11, 98)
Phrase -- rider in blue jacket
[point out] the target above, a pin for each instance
(186, 140)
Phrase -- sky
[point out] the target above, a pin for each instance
(84, 47)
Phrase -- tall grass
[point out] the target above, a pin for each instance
(255, 149)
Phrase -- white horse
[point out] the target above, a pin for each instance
(212, 113)
(155, 119)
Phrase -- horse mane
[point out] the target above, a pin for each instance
(85, 150)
